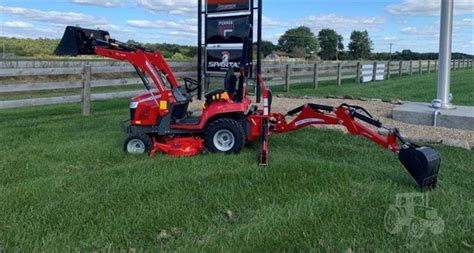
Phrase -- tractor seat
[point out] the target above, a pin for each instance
(225, 94)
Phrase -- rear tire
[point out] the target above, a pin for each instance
(137, 144)
(225, 136)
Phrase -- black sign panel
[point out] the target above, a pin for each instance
(225, 30)
(227, 5)
(221, 59)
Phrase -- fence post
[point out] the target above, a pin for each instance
(374, 72)
(463, 63)
(287, 77)
(429, 65)
(436, 66)
(315, 76)
(86, 90)
(459, 63)
(388, 69)
(411, 68)
(358, 72)
(339, 74)
(400, 68)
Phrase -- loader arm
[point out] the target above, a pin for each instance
(82, 41)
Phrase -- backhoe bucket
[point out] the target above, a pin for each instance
(79, 41)
(423, 164)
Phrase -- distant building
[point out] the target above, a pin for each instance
(278, 56)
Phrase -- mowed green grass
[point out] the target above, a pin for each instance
(66, 185)
(417, 88)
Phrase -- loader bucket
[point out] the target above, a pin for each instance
(79, 41)
(423, 165)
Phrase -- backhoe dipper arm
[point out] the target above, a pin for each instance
(422, 162)
(345, 115)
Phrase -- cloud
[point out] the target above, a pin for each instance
(186, 25)
(342, 22)
(174, 7)
(16, 24)
(428, 7)
(465, 22)
(391, 38)
(273, 23)
(108, 3)
(428, 30)
(55, 17)
(27, 30)
(51, 24)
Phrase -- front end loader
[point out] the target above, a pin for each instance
(160, 120)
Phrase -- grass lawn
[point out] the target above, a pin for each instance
(417, 88)
(66, 185)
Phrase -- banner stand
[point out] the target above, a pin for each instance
(222, 27)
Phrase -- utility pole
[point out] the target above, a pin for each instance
(445, 49)
(3, 40)
(391, 45)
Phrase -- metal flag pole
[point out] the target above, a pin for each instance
(445, 48)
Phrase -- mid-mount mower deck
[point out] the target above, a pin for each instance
(160, 121)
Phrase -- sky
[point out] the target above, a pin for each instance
(406, 24)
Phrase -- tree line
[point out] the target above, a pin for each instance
(299, 42)
(44, 48)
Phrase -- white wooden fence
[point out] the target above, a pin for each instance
(287, 75)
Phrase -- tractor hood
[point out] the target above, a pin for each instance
(80, 41)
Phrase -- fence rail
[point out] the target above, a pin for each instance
(86, 73)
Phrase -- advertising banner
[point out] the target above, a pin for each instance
(221, 59)
(213, 6)
(227, 30)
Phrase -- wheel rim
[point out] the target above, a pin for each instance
(224, 140)
(136, 146)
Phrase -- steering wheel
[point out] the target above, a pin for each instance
(191, 85)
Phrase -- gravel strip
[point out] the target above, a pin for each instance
(416, 133)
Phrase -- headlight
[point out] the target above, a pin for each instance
(133, 105)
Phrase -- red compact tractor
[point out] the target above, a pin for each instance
(160, 120)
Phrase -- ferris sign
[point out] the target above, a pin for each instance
(227, 30)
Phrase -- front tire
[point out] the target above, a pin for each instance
(225, 136)
(137, 144)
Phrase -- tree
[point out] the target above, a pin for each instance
(330, 43)
(360, 45)
(301, 37)
(178, 57)
(267, 47)
(297, 52)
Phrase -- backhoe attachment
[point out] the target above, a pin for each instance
(422, 163)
